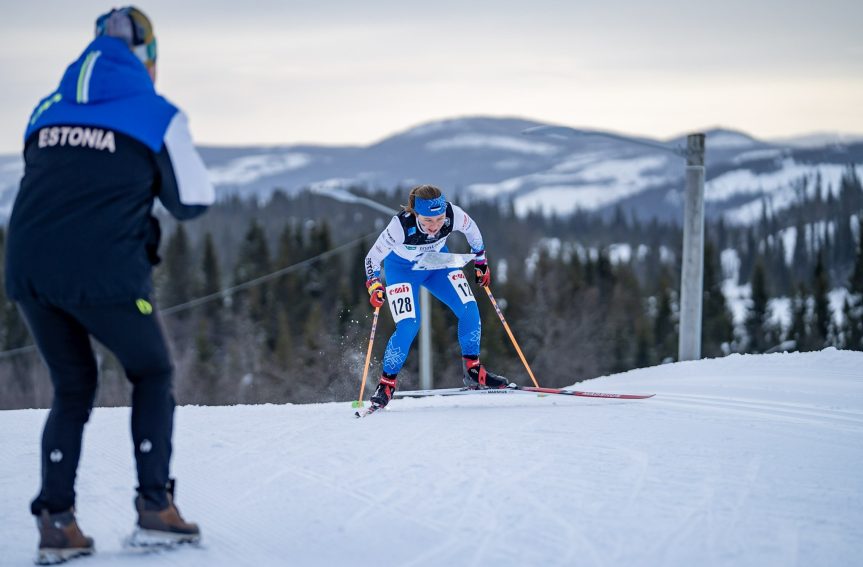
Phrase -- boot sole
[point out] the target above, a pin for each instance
(53, 556)
(154, 539)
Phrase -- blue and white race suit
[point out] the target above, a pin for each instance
(398, 248)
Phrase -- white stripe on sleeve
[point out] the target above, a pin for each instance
(463, 223)
(193, 182)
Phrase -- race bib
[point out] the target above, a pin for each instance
(401, 299)
(461, 286)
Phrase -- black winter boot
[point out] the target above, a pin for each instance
(477, 377)
(384, 392)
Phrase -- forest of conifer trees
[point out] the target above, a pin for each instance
(265, 302)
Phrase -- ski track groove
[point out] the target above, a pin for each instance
(770, 411)
(780, 407)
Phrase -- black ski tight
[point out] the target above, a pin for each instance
(134, 335)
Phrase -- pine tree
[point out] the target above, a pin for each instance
(850, 190)
(854, 311)
(210, 278)
(800, 258)
(757, 324)
(799, 331)
(204, 376)
(717, 327)
(605, 278)
(324, 274)
(254, 262)
(313, 329)
(643, 341)
(179, 282)
(748, 256)
(821, 312)
(664, 331)
(209, 336)
(625, 315)
(855, 283)
(779, 272)
(13, 331)
(287, 288)
(284, 340)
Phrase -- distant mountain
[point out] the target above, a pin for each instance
(817, 139)
(483, 157)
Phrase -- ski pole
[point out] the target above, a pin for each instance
(509, 332)
(359, 402)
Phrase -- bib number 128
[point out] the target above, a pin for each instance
(401, 300)
(403, 305)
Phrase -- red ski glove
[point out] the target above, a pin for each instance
(376, 292)
(482, 272)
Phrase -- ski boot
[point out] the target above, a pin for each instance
(476, 377)
(60, 538)
(384, 392)
(162, 528)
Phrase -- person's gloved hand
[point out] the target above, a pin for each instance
(481, 270)
(376, 292)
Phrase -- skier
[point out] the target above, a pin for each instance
(81, 244)
(424, 226)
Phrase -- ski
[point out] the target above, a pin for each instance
(367, 411)
(515, 390)
(584, 394)
(451, 392)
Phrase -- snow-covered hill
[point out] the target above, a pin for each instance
(490, 157)
(743, 461)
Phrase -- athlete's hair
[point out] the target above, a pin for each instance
(423, 192)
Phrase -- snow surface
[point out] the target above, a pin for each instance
(593, 187)
(789, 240)
(749, 460)
(621, 253)
(482, 141)
(580, 182)
(251, 168)
(754, 155)
(726, 139)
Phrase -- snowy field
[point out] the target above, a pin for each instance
(744, 461)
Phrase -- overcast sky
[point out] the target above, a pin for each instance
(354, 72)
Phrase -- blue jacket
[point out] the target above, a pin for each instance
(98, 152)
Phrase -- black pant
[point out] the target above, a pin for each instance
(135, 337)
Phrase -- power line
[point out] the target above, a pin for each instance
(262, 279)
(17, 351)
(229, 290)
